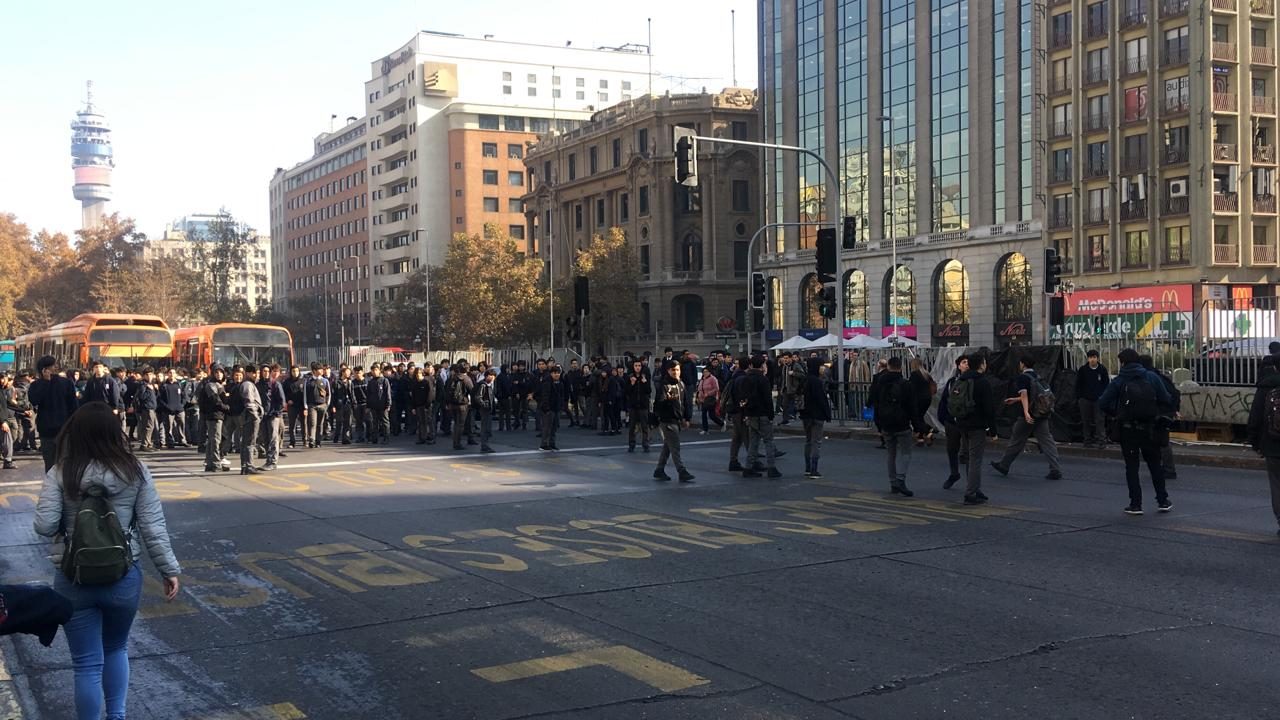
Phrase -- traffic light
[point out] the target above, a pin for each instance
(1057, 310)
(850, 237)
(581, 295)
(1052, 270)
(826, 255)
(686, 155)
(827, 302)
(759, 292)
(571, 328)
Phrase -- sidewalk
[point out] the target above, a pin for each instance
(1224, 455)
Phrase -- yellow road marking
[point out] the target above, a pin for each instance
(1228, 534)
(4, 498)
(279, 711)
(628, 661)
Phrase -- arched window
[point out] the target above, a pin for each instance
(1013, 289)
(686, 313)
(857, 312)
(809, 315)
(899, 288)
(775, 303)
(689, 255)
(951, 294)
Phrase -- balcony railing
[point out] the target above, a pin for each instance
(1176, 54)
(1134, 163)
(1059, 40)
(1224, 152)
(1224, 51)
(1262, 55)
(1097, 121)
(1135, 65)
(1225, 102)
(1060, 174)
(1060, 128)
(1177, 205)
(1174, 8)
(1262, 7)
(1095, 29)
(1226, 202)
(1226, 254)
(1133, 210)
(1095, 74)
(1060, 83)
(1228, 5)
(1095, 215)
(1059, 2)
(1094, 170)
(1175, 156)
(1060, 219)
(1097, 261)
(1264, 204)
(1133, 17)
(1263, 254)
(1263, 104)
(1264, 153)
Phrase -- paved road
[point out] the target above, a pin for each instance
(397, 583)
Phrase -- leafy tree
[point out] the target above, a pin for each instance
(222, 255)
(613, 272)
(404, 318)
(16, 255)
(489, 292)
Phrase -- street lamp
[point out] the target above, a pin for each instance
(426, 266)
(893, 240)
(342, 315)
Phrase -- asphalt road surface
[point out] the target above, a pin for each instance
(411, 582)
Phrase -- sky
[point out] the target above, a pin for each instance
(207, 99)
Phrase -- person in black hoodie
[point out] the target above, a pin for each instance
(343, 407)
(504, 391)
(8, 424)
(673, 416)
(422, 395)
(360, 405)
(297, 410)
(144, 409)
(1134, 398)
(815, 413)
(969, 407)
(638, 395)
(754, 395)
(1264, 426)
(169, 410)
(551, 402)
(1091, 380)
(378, 395)
(212, 398)
(54, 399)
(733, 415)
(271, 392)
(895, 402)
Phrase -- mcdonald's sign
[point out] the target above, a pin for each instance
(1148, 299)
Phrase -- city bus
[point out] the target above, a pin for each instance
(6, 355)
(117, 340)
(230, 344)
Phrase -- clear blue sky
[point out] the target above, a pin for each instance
(207, 99)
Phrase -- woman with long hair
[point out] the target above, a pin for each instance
(91, 451)
(924, 387)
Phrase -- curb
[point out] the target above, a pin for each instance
(1236, 457)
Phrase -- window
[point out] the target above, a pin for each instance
(488, 122)
(739, 130)
(689, 253)
(515, 178)
(644, 259)
(555, 79)
(593, 160)
(514, 123)
(1060, 166)
(1135, 55)
(1135, 248)
(688, 199)
(514, 205)
(573, 166)
(516, 232)
(580, 95)
(531, 78)
(489, 150)
(577, 216)
(1177, 45)
(1096, 209)
(515, 151)
(1013, 289)
(490, 177)
(1096, 159)
(1096, 65)
(1177, 245)
(491, 204)
(642, 140)
(624, 207)
(1177, 93)
(1060, 211)
(546, 171)
(616, 148)
(555, 92)
(600, 213)
(540, 125)
(644, 200)
(741, 196)
(506, 89)
(1096, 257)
(533, 92)
(506, 77)
(1061, 120)
(604, 84)
(580, 82)
(1135, 152)
(1060, 30)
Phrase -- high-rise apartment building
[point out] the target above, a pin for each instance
(448, 121)
(926, 113)
(320, 210)
(251, 280)
(1160, 172)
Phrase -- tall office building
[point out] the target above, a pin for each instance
(251, 280)
(92, 161)
(449, 118)
(926, 113)
(1170, 202)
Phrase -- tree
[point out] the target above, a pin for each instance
(222, 256)
(15, 258)
(613, 273)
(489, 293)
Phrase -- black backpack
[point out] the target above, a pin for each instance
(1138, 402)
(893, 410)
(457, 390)
(98, 552)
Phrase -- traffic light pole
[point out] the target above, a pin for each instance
(833, 215)
(751, 259)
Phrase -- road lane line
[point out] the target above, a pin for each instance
(647, 669)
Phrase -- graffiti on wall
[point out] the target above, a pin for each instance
(1216, 404)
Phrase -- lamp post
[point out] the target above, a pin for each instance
(893, 240)
(426, 266)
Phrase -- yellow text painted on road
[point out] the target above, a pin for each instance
(7, 499)
(626, 660)
(279, 711)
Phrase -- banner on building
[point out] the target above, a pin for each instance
(1154, 311)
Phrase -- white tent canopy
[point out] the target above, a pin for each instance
(865, 342)
(826, 342)
(900, 341)
(794, 343)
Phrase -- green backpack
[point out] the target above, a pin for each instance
(98, 552)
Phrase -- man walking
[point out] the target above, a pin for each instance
(1033, 400)
(1135, 398)
(54, 399)
(815, 413)
(1264, 426)
(735, 420)
(458, 402)
(1091, 380)
(895, 401)
(297, 411)
(8, 428)
(673, 415)
(968, 411)
(754, 395)
(551, 402)
(344, 413)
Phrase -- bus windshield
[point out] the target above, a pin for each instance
(259, 346)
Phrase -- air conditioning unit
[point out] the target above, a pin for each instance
(1222, 152)
(1138, 187)
(1178, 188)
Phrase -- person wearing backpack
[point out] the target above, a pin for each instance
(1033, 398)
(1169, 413)
(1264, 426)
(968, 409)
(457, 398)
(1134, 398)
(895, 403)
(104, 500)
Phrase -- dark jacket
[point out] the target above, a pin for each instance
(755, 390)
(245, 397)
(730, 394)
(484, 396)
(1091, 382)
(360, 391)
(144, 397)
(272, 395)
(54, 401)
(103, 389)
(550, 396)
(33, 610)
(669, 405)
(422, 393)
(1259, 436)
(1110, 400)
(817, 405)
(169, 397)
(378, 393)
(212, 401)
(293, 390)
(984, 400)
(639, 394)
(880, 389)
(342, 392)
(316, 391)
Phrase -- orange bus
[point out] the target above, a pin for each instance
(117, 340)
(231, 344)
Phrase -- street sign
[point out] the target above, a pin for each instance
(726, 336)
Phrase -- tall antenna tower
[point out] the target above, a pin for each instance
(92, 161)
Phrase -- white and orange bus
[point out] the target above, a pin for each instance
(230, 344)
(117, 340)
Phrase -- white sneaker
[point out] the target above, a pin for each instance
(702, 432)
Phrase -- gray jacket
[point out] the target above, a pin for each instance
(139, 501)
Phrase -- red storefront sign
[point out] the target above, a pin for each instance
(1148, 299)
(1013, 331)
(906, 331)
(956, 333)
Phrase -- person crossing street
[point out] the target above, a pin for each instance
(673, 416)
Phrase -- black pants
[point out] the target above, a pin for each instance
(49, 446)
(1135, 443)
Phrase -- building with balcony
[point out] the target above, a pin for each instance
(320, 221)
(449, 119)
(1181, 190)
(251, 280)
(616, 170)
(886, 91)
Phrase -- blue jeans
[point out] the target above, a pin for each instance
(98, 637)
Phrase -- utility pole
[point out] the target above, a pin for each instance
(893, 239)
